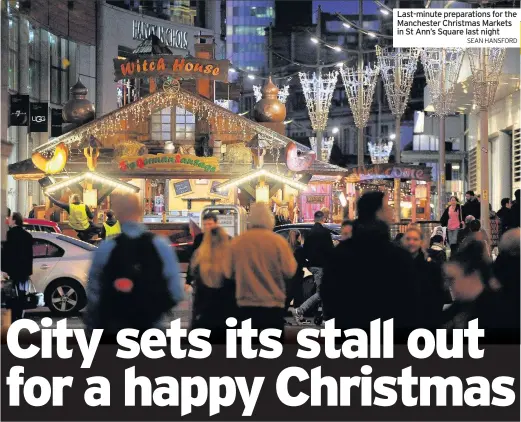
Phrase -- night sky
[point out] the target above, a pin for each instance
(345, 6)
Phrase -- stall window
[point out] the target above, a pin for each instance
(161, 125)
(184, 125)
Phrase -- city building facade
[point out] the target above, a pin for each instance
(121, 30)
(47, 52)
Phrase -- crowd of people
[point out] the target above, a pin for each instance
(259, 275)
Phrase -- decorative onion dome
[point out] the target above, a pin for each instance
(269, 108)
(78, 109)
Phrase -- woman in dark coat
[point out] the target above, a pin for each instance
(214, 298)
(430, 293)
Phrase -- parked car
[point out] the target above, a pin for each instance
(60, 271)
(40, 225)
(304, 229)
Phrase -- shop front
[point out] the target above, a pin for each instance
(120, 32)
(415, 187)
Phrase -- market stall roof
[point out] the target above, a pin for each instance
(227, 120)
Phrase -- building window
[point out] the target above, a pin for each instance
(161, 125)
(184, 125)
(13, 55)
(59, 71)
(34, 79)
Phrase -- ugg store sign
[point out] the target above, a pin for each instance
(171, 37)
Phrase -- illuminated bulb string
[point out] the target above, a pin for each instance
(246, 178)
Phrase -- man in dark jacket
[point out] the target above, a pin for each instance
(505, 215)
(17, 260)
(515, 210)
(368, 277)
(472, 206)
(317, 250)
(32, 213)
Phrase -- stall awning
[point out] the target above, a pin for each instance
(94, 177)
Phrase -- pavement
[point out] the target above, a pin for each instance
(182, 311)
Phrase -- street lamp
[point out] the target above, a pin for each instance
(392, 136)
(335, 130)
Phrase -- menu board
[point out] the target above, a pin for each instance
(182, 187)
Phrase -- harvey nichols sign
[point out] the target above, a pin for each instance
(171, 37)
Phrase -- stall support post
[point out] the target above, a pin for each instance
(428, 205)
(397, 159)
(413, 201)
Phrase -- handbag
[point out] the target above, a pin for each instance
(31, 299)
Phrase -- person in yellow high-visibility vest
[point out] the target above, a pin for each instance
(111, 226)
(80, 216)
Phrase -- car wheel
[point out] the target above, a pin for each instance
(65, 297)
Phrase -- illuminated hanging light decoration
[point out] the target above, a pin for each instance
(359, 86)
(318, 91)
(380, 151)
(327, 145)
(442, 67)
(397, 68)
(227, 104)
(282, 95)
(486, 65)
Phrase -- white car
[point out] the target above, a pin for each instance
(60, 271)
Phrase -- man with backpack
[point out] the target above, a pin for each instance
(134, 278)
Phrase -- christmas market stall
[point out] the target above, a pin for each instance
(177, 149)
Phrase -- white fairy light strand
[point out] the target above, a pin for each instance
(318, 92)
(358, 83)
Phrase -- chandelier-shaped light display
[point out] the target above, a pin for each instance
(442, 67)
(486, 65)
(318, 91)
(282, 95)
(359, 86)
(397, 68)
(327, 145)
(227, 104)
(380, 151)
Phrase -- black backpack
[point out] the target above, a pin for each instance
(134, 291)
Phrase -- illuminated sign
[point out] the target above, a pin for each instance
(177, 66)
(389, 171)
(173, 162)
(171, 37)
(315, 199)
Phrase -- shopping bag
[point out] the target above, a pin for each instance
(30, 297)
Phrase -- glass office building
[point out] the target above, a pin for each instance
(246, 23)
